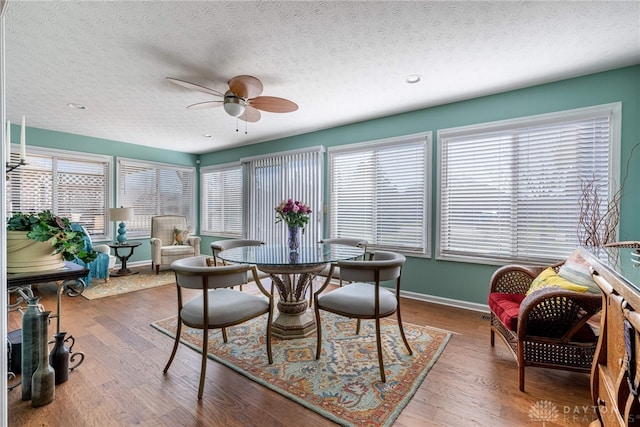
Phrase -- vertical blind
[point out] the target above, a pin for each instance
(512, 194)
(155, 189)
(378, 192)
(70, 185)
(292, 175)
(222, 201)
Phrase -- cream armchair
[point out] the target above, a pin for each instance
(163, 237)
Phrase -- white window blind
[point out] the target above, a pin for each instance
(296, 175)
(155, 189)
(378, 192)
(221, 201)
(509, 192)
(71, 185)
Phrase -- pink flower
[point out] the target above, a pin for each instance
(294, 213)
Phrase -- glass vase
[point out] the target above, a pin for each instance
(30, 346)
(294, 238)
(43, 387)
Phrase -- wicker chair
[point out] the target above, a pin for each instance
(547, 328)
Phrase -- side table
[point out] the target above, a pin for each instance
(124, 271)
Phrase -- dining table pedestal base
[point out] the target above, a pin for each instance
(294, 320)
(293, 326)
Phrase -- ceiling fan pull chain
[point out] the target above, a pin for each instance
(245, 127)
(236, 124)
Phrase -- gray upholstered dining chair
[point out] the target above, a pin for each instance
(365, 298)
(335, 273)
(218, 307)
(349, 241)
(222, 245)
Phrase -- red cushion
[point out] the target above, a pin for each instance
(506, 307)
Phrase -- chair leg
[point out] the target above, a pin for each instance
(357, 326)
(520, 366)
(404, 338)
(493, 338)
(203, 366)
(269, 353)
(157, 268)
(318, 331)
(224, 334)
(175, 346)
(379, 345)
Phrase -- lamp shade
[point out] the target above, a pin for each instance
(121, 214)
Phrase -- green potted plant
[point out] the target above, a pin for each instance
(43, 241)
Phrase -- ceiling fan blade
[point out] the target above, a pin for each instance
(245, 86)
(194, 86)
(273, 104)
(202, 105)
(250, 115)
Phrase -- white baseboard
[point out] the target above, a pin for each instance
(484, 308)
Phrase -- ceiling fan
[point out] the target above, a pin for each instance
(242, 100)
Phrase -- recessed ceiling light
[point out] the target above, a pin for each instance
(76, 106)
(206, 135)
(412, 79)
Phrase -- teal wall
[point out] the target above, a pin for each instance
(466, 281)
(457, 281)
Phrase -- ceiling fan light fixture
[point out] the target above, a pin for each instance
(234, 105)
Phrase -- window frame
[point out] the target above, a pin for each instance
(425, 139)
(613, 110)
(59, 154)
(289, 186)
(206, 170)
(157, 166)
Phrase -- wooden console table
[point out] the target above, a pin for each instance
(615, 374)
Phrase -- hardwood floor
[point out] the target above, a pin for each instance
(121, 383)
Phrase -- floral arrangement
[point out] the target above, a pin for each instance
(294, 213)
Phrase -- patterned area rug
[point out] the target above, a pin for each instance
(344, 385)
(124, 284)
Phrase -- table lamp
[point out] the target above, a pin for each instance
(121, 214)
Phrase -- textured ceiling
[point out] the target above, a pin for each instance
(340, 61)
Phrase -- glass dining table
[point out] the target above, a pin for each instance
(292, 274)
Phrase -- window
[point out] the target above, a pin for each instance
(509, 190)
(71, 185)
(296, 175)
(221, 201)
(379, 192)
(155, 189)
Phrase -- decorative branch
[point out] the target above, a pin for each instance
(598, 226)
